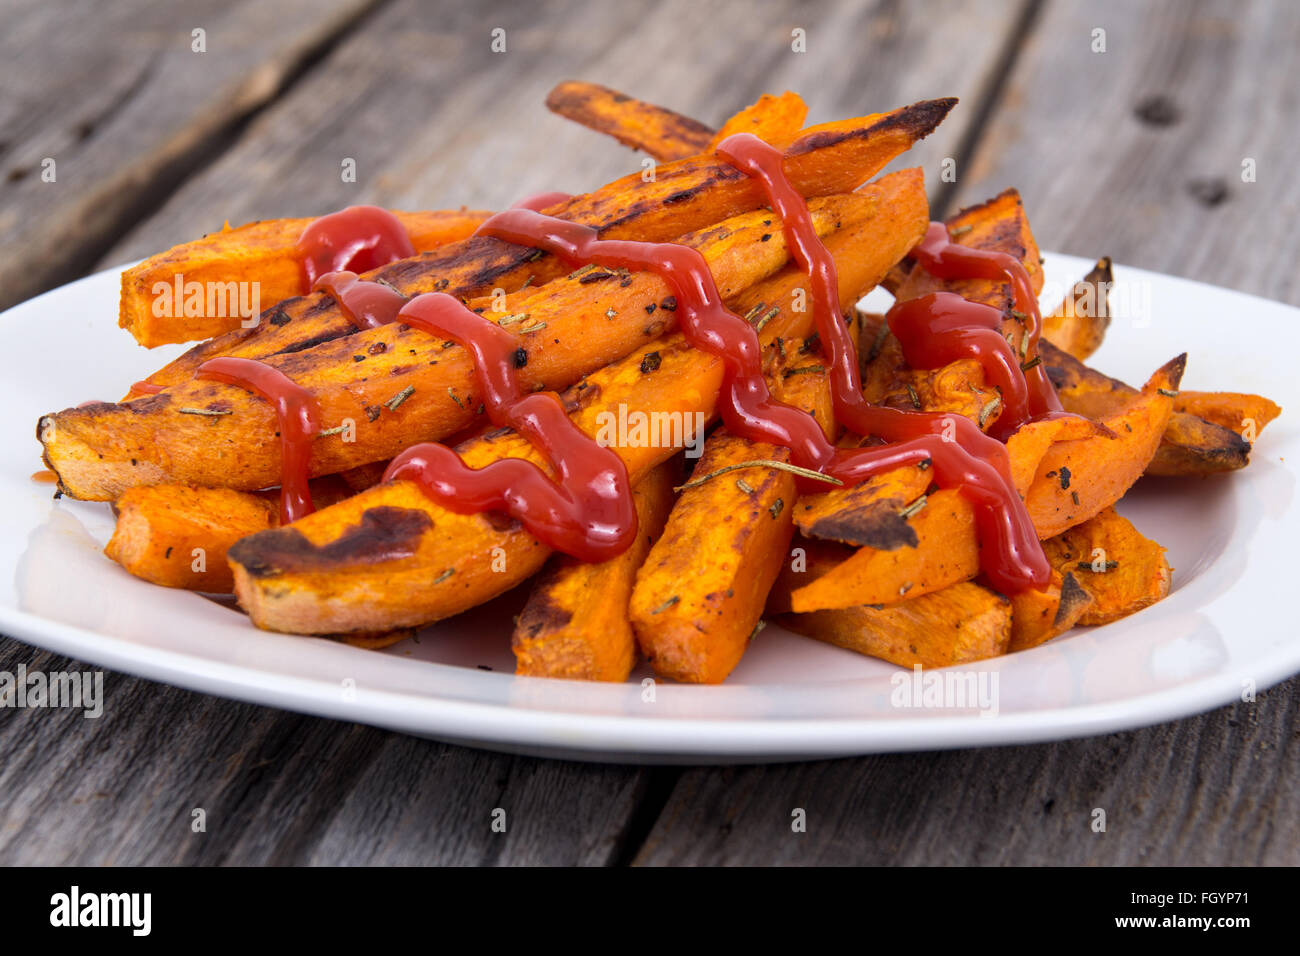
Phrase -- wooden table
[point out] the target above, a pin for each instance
(1136, 151)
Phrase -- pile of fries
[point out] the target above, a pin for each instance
(889, 567)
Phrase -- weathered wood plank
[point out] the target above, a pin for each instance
(280, 788)
(115, 96)
(434, 119)
(1137, 152)
(1223, 789)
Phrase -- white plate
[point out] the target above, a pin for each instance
(1221, 631)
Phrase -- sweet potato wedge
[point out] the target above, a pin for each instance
(177, 536)
(576, 623)
(390, 557)
(1120, 569)
(1078, 325)
(663, 134)
(773, 119)
(997, 225)
(397, 385)
(1191, 445)
(1079, 478)
(701, 592)
(956, 625)
(946, 548)
(684, 196)
(1244, 414)
(259, 254)
(1039, 616)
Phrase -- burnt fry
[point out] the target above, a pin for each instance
(660, 132)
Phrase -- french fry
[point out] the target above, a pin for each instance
(663, 134)
(1096, 467)
(682, 197)
(997, 225)
(772, 119)
(1079, 478)
(390, 557)
(956, 625)
(1191, 445)
(397, 385)
(177, 536)
(1078, 325)
(88, 443)
(576, 622)
(1238, 412)
(1039, 616)
(701, 592)
(1120, 569)
(261, 255)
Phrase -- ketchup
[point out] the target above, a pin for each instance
(364, 303)
(358, 239)
(144, 388)
(587, 512)
(962, 456)
(299, 421)
(940, 311)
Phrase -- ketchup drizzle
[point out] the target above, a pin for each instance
(962, 456)
(587, 512)
(357, 239)
(299, 421)
(942, 311)
(364, 303)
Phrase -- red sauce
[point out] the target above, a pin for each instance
(961, 455)
(587, 512)
(945, 259)
(941, 327)
(299, 420)
(542, 201)
(356, 239)
(144, 388)
(365, 304)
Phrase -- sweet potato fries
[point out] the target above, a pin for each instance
(729, 532)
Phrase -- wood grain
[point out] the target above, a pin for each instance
(1137, 152)
(281, 789)
(115, 95)
(1222, 789)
